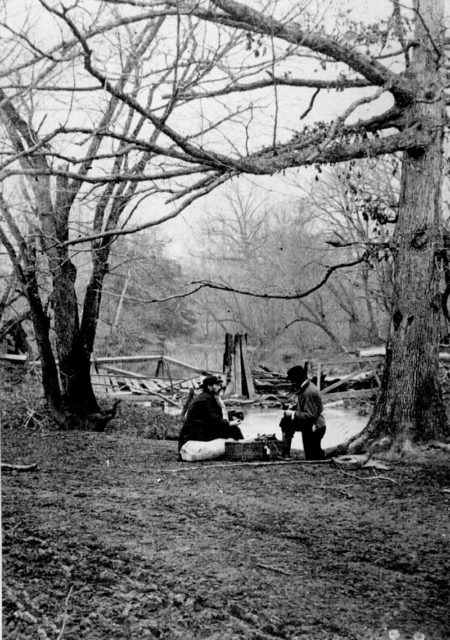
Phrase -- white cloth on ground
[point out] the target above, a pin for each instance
(196, 450)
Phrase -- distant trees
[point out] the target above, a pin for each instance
(274, 248)
(131, 316)
(358, 206)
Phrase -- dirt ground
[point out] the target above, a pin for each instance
(113, 539)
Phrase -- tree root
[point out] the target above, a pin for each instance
(101, 419)
(359, 477)
(69, 420)
(351, 461)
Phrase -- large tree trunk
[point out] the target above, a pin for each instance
(74, 351)
(410, 408)
(74, 360)
(78, 394)
(75, 340)
(69, 392)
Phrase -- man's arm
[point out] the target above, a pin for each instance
(308, 414)
(311, 410)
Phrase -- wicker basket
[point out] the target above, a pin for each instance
(275, 448)
(245, 451)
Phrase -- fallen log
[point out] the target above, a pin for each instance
(271, 568)
(444, 446)
(139, 395)
(14, 358)
(166, 399)
(19, 467)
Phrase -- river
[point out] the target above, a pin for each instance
(342, 423)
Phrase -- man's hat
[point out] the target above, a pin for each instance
(297, 374)
(210, 380)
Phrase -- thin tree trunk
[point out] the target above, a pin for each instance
(120, 305)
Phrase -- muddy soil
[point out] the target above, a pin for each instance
(113, 539)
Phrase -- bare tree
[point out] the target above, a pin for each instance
(399, 64)
(71, 187)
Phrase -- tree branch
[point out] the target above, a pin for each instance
(288, 296)
(175, 296)
(304, 83)
(240, 15)
(399, 29)
(180, 141)
(153, 223)
(311, 104)
(297, 153)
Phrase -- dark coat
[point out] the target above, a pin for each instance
(307, 414)
(308, 411)
(204, 421)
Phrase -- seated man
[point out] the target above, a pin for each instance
(207, 420)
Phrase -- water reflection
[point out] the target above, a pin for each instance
(341, 424)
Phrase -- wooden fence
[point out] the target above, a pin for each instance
(364, 371)
(167, 379)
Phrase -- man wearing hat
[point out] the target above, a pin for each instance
(306, 416)
(207, 417)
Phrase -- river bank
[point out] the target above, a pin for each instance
(342, 423)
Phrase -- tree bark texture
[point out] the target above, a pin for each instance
(74, 340)
(41, 323)
(410, 408)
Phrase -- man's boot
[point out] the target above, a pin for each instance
(286, 446)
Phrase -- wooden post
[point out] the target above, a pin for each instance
(237, 367)
(167, 370)
(237, 386)
(228, 358)
(248, 386)
(189, 399)
(160, 367)
(120, 305)
(319, 375)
